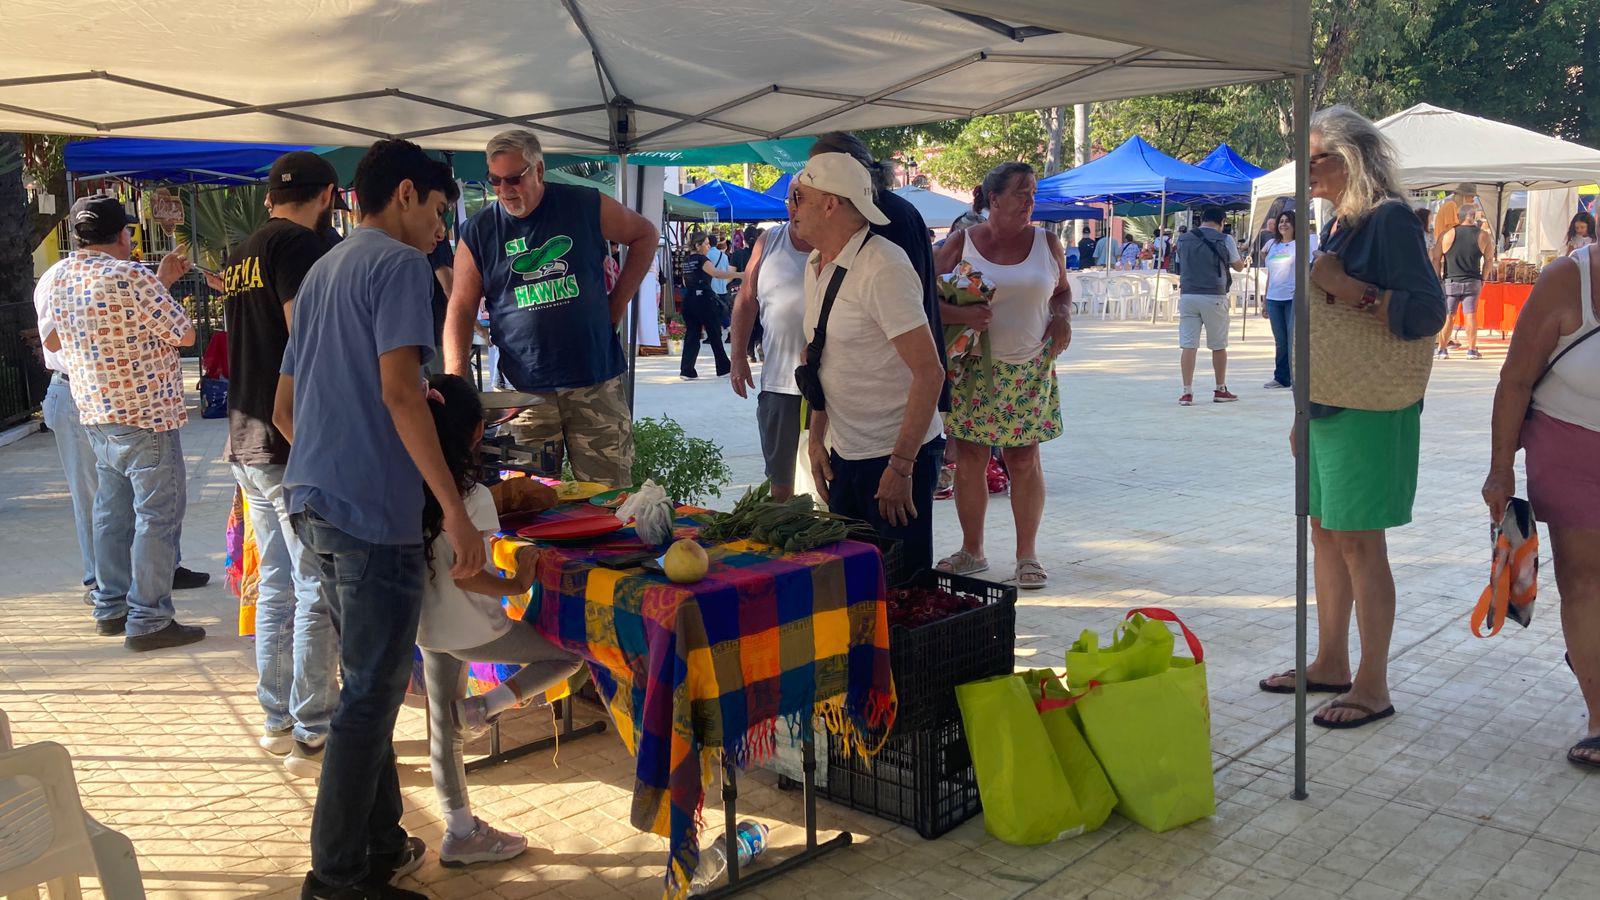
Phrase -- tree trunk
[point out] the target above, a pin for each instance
(1055, 124)
(16, 244)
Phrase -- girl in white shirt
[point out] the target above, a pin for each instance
(463, 621)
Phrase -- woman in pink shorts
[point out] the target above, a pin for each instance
(1548, 402)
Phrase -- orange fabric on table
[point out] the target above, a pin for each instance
(1498, 306)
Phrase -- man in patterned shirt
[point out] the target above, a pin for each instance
(119, 331)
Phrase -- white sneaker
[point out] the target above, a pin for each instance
(1273, 385)
(484, 844)
(278, 743)
(305, 761)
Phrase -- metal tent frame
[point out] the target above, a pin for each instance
(1131, 41)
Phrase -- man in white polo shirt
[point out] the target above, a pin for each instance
(876, 438)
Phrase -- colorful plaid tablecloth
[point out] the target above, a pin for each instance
(699, 672)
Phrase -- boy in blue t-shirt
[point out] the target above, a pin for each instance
(352, 403)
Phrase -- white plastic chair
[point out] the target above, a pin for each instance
(1120, 294)
(1094, 294)
(46, 837)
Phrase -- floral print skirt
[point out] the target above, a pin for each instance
(1014, 406)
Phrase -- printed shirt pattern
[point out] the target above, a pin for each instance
(119, 327)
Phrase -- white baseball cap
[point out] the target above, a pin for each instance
(842, 175)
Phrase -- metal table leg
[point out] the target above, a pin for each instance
(497, 756)
(813, 851)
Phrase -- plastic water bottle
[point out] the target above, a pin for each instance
(751, 837)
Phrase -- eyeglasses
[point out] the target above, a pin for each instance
(793, 199)
(508, 180)
(1318, 157)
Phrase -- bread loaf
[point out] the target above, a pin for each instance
(522, 495)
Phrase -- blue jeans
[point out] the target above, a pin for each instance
(1281, 314)
(77, 462)
(853, 492)
(138, 506)
(374, 592)
(296, 649)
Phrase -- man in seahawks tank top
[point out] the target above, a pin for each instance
(537, 258)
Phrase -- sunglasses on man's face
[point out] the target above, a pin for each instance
(508, 180)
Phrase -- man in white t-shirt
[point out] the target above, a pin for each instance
(876, 441)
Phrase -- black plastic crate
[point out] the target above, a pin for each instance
(894, 567)
(929, 661)
(922, 778)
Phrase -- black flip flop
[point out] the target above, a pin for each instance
(1371, 715)
(1585, 744)
(1312, 687)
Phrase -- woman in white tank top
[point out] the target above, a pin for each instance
(1548, 402)
(1011, 399)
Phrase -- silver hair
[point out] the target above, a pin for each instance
(1369, 160)
(519, 141)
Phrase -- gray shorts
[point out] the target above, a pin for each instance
(1463, 293)
(1209, 311)
(778, 420)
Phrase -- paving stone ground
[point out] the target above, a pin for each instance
(1465, 793)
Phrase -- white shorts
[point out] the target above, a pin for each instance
(1207, 310)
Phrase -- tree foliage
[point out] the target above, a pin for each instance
(983, 143)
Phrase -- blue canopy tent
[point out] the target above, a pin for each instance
(174, 162)
(1138, 172)
(1051, 211)
(1226, 161)
(737, 204)
(780, 188)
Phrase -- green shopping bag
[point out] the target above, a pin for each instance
(1026, 797)
(1084, 774)
(1153, 737)
(1140, 647)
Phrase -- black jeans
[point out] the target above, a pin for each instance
(854, 489)
(375, 594)
(1281, 314)
(701, 313)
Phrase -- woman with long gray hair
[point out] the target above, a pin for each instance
(1375, 304)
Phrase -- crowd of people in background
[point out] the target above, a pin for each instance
(360, 474)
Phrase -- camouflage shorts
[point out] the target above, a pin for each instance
(595, 424)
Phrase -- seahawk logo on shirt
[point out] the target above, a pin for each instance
(543, 271)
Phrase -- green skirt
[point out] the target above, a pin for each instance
(1014, 406)
(1364, 468)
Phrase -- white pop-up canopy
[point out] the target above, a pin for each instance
(1440, 148)
(450, 73)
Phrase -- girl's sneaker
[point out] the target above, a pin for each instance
(472, 717)
(484, 844)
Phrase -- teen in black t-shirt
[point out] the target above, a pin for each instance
(262, 275)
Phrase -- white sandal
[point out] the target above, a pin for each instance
(1030, 575)
(963, 563)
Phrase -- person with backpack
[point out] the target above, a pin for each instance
(1205, 256)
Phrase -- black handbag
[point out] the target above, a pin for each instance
(808, 375)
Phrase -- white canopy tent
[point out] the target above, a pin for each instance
(618, 76)
(1440, 148)
(938, 210)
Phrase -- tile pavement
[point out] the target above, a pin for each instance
(1464, 794)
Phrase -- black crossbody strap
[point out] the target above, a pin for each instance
(819, 338)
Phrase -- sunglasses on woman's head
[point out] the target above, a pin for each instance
(509, 180)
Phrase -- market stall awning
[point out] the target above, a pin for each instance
(174, 162)
(596, 76)
(1227, 161)
(1051, 211)
(1139, 172)
(737, 204)
(1440, 148)
(938, 210)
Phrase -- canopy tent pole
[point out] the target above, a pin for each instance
(1302, 421)
(633, 304)
(1161, 257)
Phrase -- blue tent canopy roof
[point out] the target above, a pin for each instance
(1227, 161)
(780, 188)
(737, 204)
(1052, 211)
(176, 162)
(1137, 171)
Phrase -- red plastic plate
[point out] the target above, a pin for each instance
(572, 529)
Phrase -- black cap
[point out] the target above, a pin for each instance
(99, 218)
(302, 168)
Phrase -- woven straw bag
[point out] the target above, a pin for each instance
(1358, 363)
